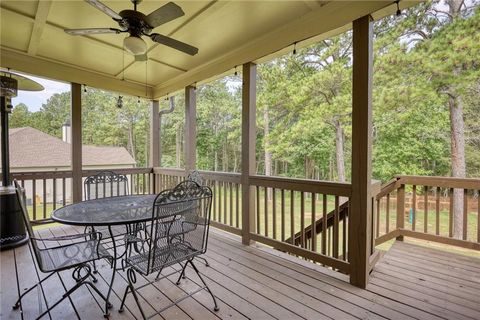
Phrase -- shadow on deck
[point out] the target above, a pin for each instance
(409, 282)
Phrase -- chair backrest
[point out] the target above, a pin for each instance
(26, 219)
(105, 184)
(180, 215)
(195, 176)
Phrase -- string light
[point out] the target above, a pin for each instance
(85, 88)
(295, 48)
(120, 102)
(236, 73)
(398, 8)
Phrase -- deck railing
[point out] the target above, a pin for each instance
(283, 211)
(424, 208)
(307, 218)
(48, 190)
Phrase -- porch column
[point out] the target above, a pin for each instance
(76, 125)
(249, 107)
(154, 157)
(190, 128)
(361, 202)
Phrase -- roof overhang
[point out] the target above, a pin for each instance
(228, 34)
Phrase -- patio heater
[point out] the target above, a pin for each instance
(12, 228)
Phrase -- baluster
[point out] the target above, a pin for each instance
(220, 188)
(230, 184)
(414, 206)
(302, 219)
(258, 208)
(54, 199)
(465, 213)
(387, 225)
(143, 191)
(377, 222)
(63, 191)
(34, 198)
(274, 213)
(336, 227)
(450, 214)
(324, 225)
(265, 209)
(237, 204)
(44, 196)
(225, 213)
(282, 209)
(425, 203)
(345, 232)
(437, 212)
(292, 216)
(478, 217)
(313, 230)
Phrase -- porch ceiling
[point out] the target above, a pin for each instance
(227, 33)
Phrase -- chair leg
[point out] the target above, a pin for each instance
(182, 274)
(17, 304)
(65, 295)
(98, 292)
(132, 279)
(216, 308)
(123, 299)
(204, 261)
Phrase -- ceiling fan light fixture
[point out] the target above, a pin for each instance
(135, 45)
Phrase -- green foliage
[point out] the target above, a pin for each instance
(304, 102)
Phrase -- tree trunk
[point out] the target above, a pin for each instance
(339, 150)
(457, 128)
(458, 160)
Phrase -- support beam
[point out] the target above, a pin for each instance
(43, 9)
(190, 128)
(361, 203)
(249, 107)
(154, 156)
(76, 122)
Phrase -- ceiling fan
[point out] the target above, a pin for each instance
(137, 25)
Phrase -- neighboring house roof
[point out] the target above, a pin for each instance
(30, 147)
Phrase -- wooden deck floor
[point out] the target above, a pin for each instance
(409, 282)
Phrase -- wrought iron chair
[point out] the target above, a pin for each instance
(195, 176)
(179, 233)
(67, 252)
(110, 184)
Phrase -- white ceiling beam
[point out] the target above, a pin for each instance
(44, 67)
(40, 19)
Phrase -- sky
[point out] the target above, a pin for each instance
(34, 99)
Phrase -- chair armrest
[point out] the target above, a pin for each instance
(98, 235)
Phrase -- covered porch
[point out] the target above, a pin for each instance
(282, 248)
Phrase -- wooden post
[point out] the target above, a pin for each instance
(154, 156)
(400, 209)
(76, 125)
(249, 107)
(190, 128)
(361, 202)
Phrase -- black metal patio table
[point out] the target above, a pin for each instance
(108, 212)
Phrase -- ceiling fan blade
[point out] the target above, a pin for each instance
(164, 14)
(141, 57)
(100, 6)
(175, 44)
(80, 32)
